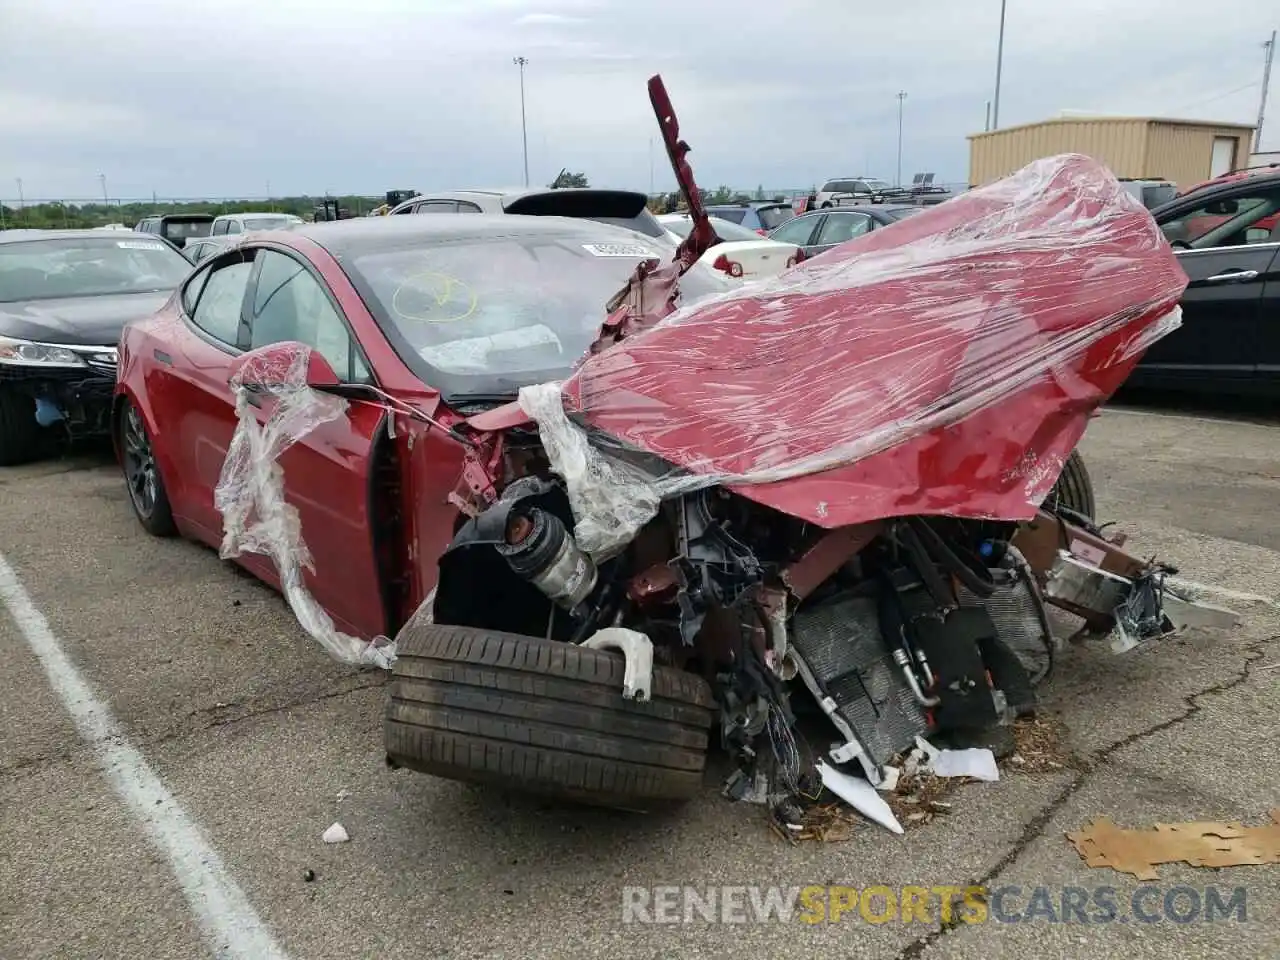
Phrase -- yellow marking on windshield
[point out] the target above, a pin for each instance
(443, 298)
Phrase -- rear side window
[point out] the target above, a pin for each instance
(773, 217)
(732, 214)
(438, 206)
(221, 294)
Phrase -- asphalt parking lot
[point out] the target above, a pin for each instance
(237, 742)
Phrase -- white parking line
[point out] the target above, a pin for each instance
(232, 926)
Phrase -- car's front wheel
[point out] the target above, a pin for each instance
(20, 434)
(142, 473)
(544, 717)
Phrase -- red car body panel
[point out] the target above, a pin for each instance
(885, 357)
(178, 379)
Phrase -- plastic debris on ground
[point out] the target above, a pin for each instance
(1200, 844)
(337, 833)
(860, 795)
(250, 492)
(983, 331)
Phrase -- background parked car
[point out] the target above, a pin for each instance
(760, 217)
(233, 223)
(622, 208)
(824, 229)
(1227, 238)
(177, 228)
(64, 297)
(864, 189)
(740, 252)
(199, 249)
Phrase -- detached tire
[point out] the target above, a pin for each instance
(544, 717)
(1074, 489)
(20, 434)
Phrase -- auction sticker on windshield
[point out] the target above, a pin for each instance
(619, 250)
(139, 245)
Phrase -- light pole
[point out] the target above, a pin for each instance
(22, 202)
(102, 179)
(995, 109)
(522, 62)
(902, 96)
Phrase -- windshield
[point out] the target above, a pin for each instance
(485, 317)
(187, 229)
(87, 267)
(878, 185)
(725, 229)
(772, 217)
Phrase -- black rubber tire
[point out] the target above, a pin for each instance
(1074, 489)
(544, 717)
(159, 522)
(21, 437)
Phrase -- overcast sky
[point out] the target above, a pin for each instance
(189, 98)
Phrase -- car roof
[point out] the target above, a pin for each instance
(24, 234)
(364, 233)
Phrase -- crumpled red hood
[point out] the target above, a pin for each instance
(947, 364)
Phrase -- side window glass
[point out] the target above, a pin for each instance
(233, 226)
(843, 226)
(219, 228)
(796, 231)
(217, 309)
(465, 207)
(1245, 219)
(438, 206)
(290, 304)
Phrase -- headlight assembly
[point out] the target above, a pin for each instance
(28, 353)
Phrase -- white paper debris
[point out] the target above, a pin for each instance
(890, 781)
(860, 795)
(976, 762)
(336, 834)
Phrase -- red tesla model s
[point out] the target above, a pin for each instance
(444, 316)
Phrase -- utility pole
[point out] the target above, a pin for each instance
(1270, 47)
(902, 96)
(995, 110)
(988, 123)
(22, 201)
(102, 179)
(523, 62)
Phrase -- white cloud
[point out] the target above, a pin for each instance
(362, 95)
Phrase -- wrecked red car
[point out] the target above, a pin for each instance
(852, 486)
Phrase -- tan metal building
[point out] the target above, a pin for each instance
(1183, 151)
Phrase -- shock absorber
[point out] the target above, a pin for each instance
(538, 548)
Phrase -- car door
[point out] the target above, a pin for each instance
(196, 419)
(1227, 245)
(327, 473)
(838, 228)
(800, 231)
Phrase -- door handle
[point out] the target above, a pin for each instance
(1232, 276)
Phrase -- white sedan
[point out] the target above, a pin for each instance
(740, 252)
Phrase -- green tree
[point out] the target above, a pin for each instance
(760, 192)
(566, 179)
(722, 194)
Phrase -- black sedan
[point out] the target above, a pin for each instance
(1226, 236)
(64, 297)
(823, 229)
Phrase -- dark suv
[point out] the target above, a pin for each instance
(1226, 235)
(177, 228)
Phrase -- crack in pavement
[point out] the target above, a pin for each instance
(1085, 767)
(28, 765)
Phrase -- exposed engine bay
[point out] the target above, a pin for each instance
(910, 627)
